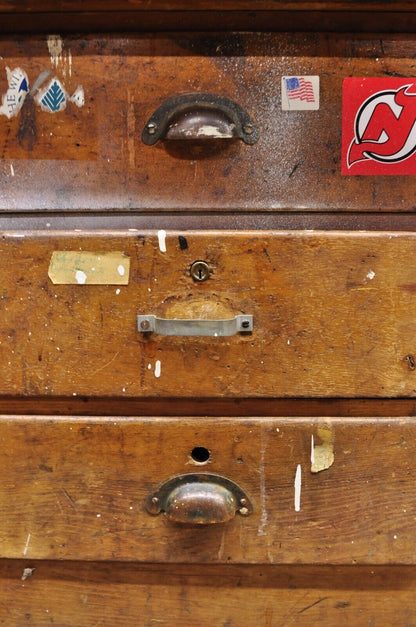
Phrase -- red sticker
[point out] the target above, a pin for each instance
(378, 126)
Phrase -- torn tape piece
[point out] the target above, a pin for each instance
(13, 99)
(55, 45)
(53, 97)
(69, 267)
(323, 454)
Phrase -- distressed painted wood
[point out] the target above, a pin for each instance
(75, 488)
(64, 593)
(333, 316)
(92, 157)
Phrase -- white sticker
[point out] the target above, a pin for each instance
(300, 93)
(13, 99)
(78, 97)
(53, 97)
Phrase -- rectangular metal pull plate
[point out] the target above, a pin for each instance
(212, 328)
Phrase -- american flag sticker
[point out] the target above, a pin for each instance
(300, 93)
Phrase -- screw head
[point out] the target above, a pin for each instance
(144, 324)
(248, 129)
(151, 128)
(243, 511)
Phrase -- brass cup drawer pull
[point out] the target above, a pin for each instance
(199, 499)
(241, 323)
(199, 116)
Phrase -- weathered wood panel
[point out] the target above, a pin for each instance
(20, 6)
(92, 157)
(393, 19)
(76, 489)
(333, 316)
(87, 594)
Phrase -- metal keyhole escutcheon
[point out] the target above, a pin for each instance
(200, 271)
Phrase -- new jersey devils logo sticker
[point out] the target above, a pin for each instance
(379, 126)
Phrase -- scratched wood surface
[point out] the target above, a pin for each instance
(90, 594)
(333, 316)
(75, 488)
(92, 157)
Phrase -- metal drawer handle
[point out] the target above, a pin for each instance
(212, 328)
(199, 116)
(200, 499)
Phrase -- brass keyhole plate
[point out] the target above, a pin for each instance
(200, 271)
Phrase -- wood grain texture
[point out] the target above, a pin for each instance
(333, 316)
(19, 6)
(76, 488)
(87, 594)
(92, 158)
(88, 22)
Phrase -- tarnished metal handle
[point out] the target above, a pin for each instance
(199, 116)
(212, 328)
(201, 499)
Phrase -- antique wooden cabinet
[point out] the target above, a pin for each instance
(207, 333)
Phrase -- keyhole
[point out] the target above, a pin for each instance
(200, 271)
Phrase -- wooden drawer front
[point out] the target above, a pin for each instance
(92, 157)
(333, 315)
(75, 488)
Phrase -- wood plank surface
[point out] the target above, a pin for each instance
(333, 316)
(10, 6)
(110, 595)
(317, 20)
(92, 157)
(75, 488)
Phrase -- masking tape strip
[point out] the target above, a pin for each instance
(70, 267)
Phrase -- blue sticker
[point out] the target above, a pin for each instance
(53, 98)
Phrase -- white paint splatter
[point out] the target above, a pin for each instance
(27, 572)
(27, 544)
(298, 487)
(11, 169)
(149, 366)
(81, 277)
(117, 291)
(207, 130)
(162, 240)
(121, 270)
(158, 368)
(371, 275)
(312, 450)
